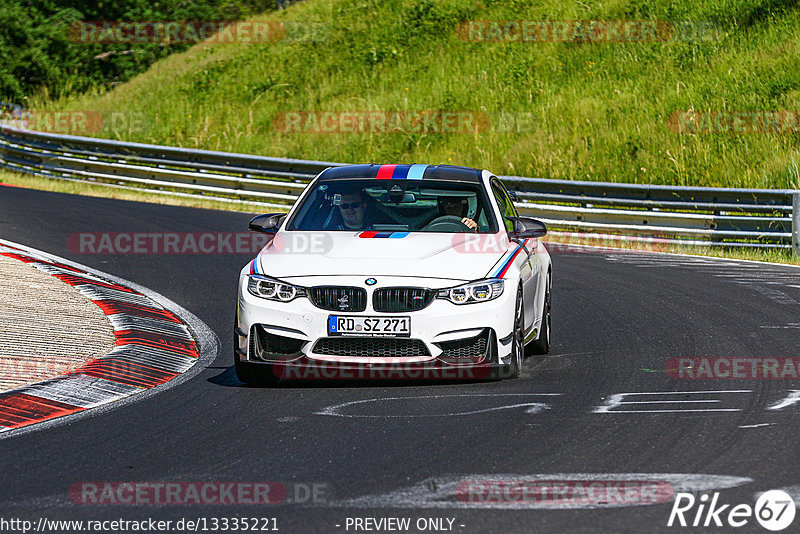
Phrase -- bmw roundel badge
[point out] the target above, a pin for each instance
(370, 281)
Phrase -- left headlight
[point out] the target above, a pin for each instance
(272, 289)
(482, 291)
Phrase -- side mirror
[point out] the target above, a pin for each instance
(513, 195)
(527, 227)
(267, 223)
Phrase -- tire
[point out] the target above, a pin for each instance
(255, 375)
(541, 345)
(518, 340)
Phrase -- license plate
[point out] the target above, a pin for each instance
(354, 325)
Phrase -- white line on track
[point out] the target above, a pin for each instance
(793, 491)
(616, 400)
(533, 407)
(452, 491)
(792, 398)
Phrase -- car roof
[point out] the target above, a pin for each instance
(402, 172)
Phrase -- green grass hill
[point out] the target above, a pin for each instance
(568, 108)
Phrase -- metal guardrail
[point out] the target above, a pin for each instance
(691, 215)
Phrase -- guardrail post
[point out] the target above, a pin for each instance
(796, 223)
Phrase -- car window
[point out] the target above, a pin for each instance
(505, 204)
(394, 206)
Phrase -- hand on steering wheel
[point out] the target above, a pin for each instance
(450, 223)
(469, 223)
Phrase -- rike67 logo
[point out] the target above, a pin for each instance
(774, 510)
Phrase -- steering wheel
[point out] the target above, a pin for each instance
(446, 223)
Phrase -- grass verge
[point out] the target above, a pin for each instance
(569, 107)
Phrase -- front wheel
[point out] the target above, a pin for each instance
(518, 339)
(541, 345)
(256, 375)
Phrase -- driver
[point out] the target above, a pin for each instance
(456, 206)
(353, 211)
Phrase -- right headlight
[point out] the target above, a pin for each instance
(272, 289)
(481, 291)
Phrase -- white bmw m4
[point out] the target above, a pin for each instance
(394, 272)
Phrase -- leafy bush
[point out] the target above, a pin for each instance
(38, 53)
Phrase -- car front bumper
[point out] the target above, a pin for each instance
(446, 340)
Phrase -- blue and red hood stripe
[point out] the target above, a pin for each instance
(389, 235)
(501, 270)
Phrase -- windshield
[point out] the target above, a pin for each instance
(395, 206)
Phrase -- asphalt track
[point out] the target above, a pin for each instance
(618, 318)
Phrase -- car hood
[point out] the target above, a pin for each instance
(430, 255)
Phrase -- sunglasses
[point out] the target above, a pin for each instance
(349, 205)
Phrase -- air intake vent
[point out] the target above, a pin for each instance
(335, 298)
(370, 347)
(401, 299)
(473, 347)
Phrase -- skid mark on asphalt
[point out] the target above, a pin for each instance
(566, 491)
(406, 405)
(778, 283)
(759, 275)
